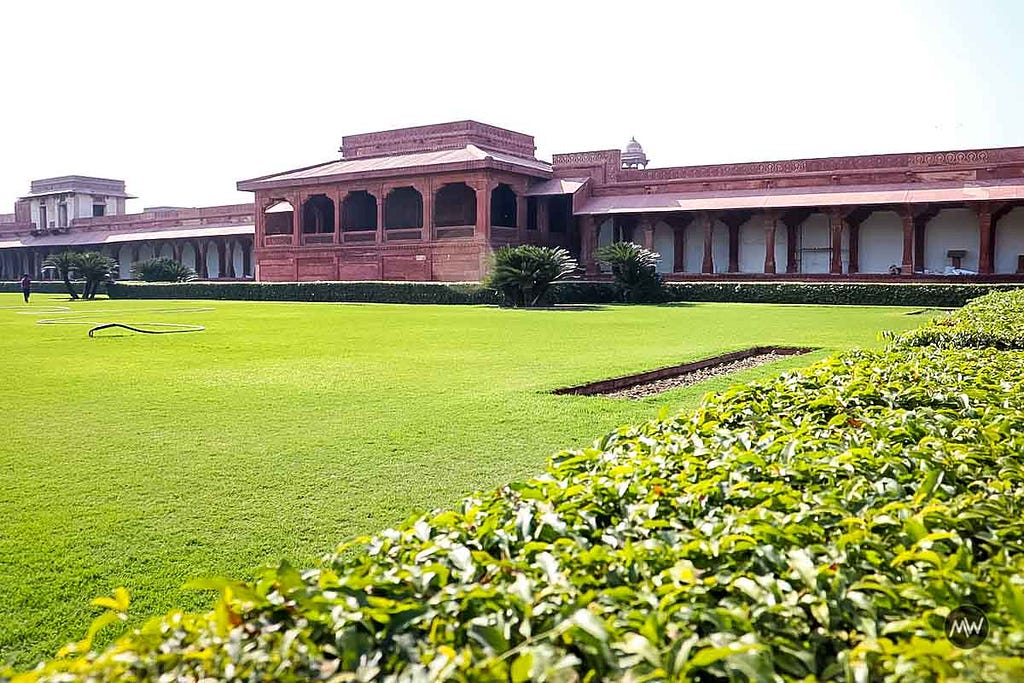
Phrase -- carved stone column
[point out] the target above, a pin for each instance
(907, 216)
(382, 194)
(836, 218)
(679, 248)
(521, 201)
(427, 191)
(296, 202)
(707, 224)
(339, 198)
(483, 208)
(985, 229)
(646, 229)
(769, 242)
(589, 227)
(853, 225)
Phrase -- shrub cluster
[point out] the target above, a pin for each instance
(819, 526)
(995, 320)
(565, 292)
(162, 270)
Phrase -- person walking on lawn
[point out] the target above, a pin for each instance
(26, 286)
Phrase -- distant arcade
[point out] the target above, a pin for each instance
(433, 202)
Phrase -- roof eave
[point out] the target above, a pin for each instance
(267, 182)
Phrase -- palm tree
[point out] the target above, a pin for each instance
(64, 263)
(635, 270)
(523, 274)
(95, 268)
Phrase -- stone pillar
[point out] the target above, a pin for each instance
(521, 201)
(381, 198)
(835, 218)
(543, 224)
(589, 227)
(339, 197)
(646, 226)
(769, 242)
(734, 245)
(201, 247)
(708, 263)
(854, 248)
(985, 229)
(296, 222)
(246, 259)
(679, 248)
(483, 209)
(907, 215)
(427, 233)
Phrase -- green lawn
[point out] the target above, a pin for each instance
(283, 429)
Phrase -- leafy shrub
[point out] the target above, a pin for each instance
(522, 274)
(162, 270)
(819, 526)
(995, 320)
(635, 270)
(95, 269)
(65, 263)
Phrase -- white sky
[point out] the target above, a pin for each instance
(182, 99)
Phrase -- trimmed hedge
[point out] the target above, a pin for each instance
(819, 526)
(38, 287)
(567, 292)
(995, 320)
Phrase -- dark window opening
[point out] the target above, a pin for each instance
(99, 210)
(503, 207)
(403, 208)
(531, 213)
(359, 211)
(559, 212)
(318, 214)
(278, 219)
(42, 217)
(455, 205)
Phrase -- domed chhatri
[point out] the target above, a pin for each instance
(633, 156)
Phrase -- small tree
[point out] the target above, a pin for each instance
(635, 270)
(65, 263)
(95, 268)
(522, 274)
(162, 270)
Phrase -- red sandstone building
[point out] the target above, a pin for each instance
(433, 202)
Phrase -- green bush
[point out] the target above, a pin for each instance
(995, 320)
(523, 274)
(564, 292)
(162, 270)
(635, 270)
(819, 526)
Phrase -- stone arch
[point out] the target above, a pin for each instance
(1009, 242)
(237, 258)
(455, 205)
(359, 211)
(166, 250)
(880, 242)
(403, 208)
(278, 217)
(213, 265)
(665, 245)
(503, 206)
(188, 255)
(318, 214)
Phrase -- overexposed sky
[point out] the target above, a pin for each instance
(182, 99)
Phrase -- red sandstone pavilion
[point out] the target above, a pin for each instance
(433, 202)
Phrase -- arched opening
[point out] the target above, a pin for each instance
(166, 251)
(403, 208)
(188, 256)
(880, 242)
(503, 206)
(278, 218)
(318, 215)
(359, 211)
(1009, 242)
(455, 205)
(212, 260)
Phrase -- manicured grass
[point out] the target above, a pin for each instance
(284, 428)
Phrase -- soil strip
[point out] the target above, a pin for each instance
(646, 384)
